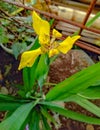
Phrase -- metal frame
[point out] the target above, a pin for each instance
(82, 26)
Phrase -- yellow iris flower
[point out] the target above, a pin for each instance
(47, 45)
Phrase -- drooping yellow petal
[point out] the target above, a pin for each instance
(67, 44)
(40, 25)
(53, 52)
(56, 34)
(28, 58)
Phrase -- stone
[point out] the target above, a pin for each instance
(89, 127)
(66, 65)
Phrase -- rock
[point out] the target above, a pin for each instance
(4, 90)
(89, 127)
(68, 64)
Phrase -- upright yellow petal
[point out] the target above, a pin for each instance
(40, 25)
(28, 58)
(67, 44)
(44, 38)
(53, 52)
(56, 34)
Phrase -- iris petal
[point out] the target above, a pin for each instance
(43, 38)
(67, 44)
(42, 28)
(53, 52)
(56, 34)
(28, 58)
(40, 25)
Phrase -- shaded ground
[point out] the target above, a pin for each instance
(9, 75)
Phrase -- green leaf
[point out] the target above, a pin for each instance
(29, 76)
(75, 84)
(36, 44)
(3, 36)
(8, 114)
(9, 106)
(47, 115)
(18, 48)
(51, 22)
(6, 97)
(97, 83)
(32, 74)
(46, 126)
(34, 121)
(42, 69)
(33, 1)
(91, 92)
(52, 59)
(91, 21)
(85, 104)
(71, 114)
(11, 36)
(26, 79)
(16, 120)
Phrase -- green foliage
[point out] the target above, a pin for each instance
(42, 69)
(91, 21)
(32, 107)
(18, 48)
(91, 92)
(20, 115)
(3, 38)
(35, 118)
(71, 114)
(51, 22)
(33, 1)
(11, 104)
(84, 103)
(77, 88)
(14, 31)
(46, 114)
(76, 83)
(46, 126)
(8, 7)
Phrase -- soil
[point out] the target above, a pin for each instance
(9, 75)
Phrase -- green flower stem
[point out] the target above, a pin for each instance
(50, 84)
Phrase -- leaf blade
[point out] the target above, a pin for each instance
(71, 114)
(20, 115)
(74, 84)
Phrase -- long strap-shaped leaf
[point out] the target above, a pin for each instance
(7, 97)
(16, 120)
(76, 83)
(9, 103)
(91, 21)
(71, 114)
(85, 104)
(9, 106)
(46, 126)
(92, 92)
(34, 120)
